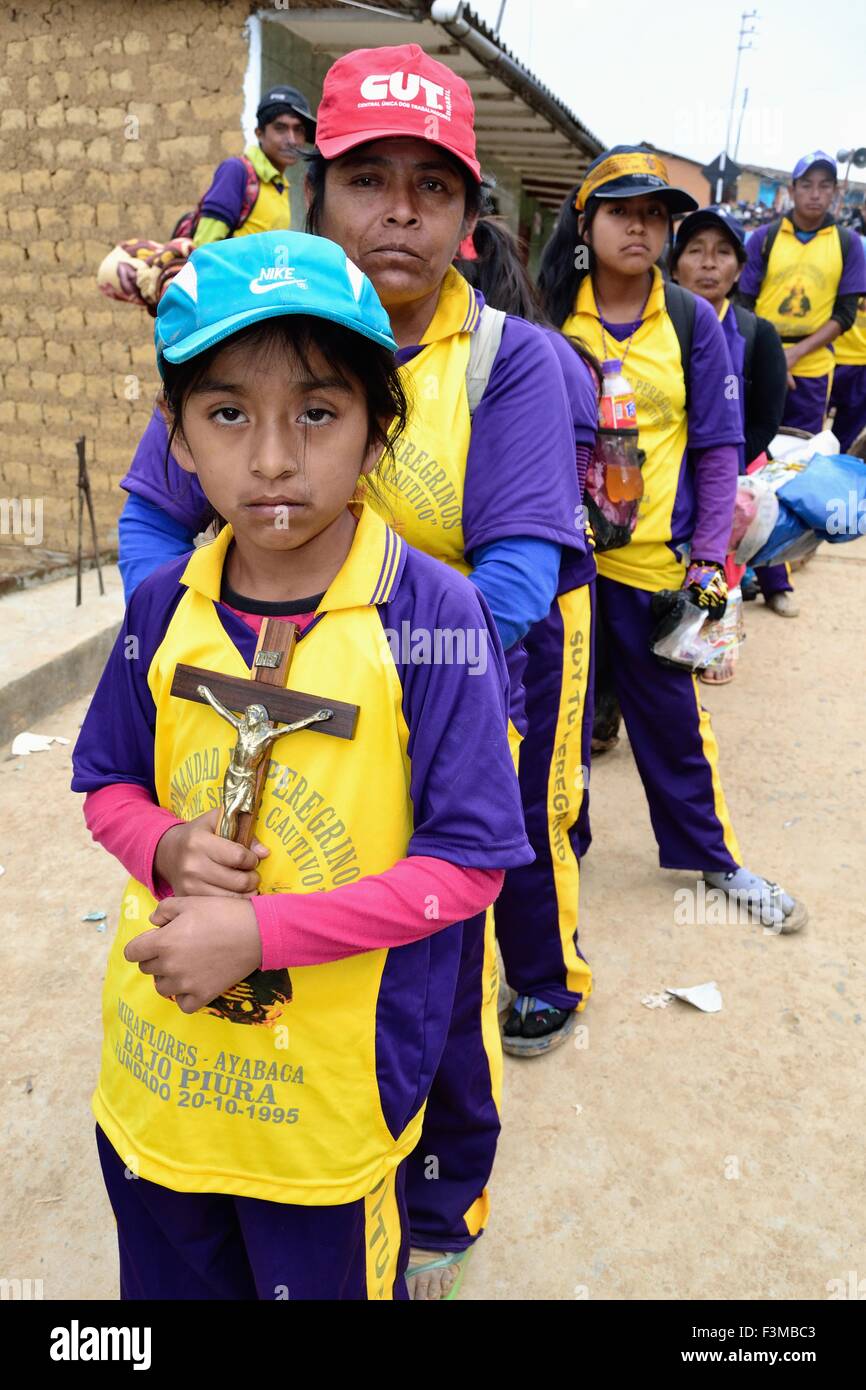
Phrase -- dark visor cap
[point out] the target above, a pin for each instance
(629, 171)
(633, 185)
(711, 217)
(278, 101)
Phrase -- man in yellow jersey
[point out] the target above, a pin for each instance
(804, 274)
(251, 193)
(248, 194)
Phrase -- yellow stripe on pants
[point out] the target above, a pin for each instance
(565, 788)
(383, 1234)
(711, 753)
(477, 1216)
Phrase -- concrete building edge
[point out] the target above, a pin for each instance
(27, 701)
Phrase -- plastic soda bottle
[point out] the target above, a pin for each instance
(617, 416)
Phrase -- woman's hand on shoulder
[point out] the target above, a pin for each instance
(199, 863)
(199, 948)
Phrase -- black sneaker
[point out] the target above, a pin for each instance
(532, 1028)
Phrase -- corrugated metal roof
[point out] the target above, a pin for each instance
(519, 122)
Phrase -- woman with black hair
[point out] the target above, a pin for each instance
(485, 482)
(707, 256)
(600, 280)
(546, 967)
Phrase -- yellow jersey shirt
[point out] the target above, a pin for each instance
(850, 348)
(323, 1100)
(799, 290)
(654, 557)
(223, 202)
(461, 481)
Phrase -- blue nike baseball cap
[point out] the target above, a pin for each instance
(228, 285)
(810, 160)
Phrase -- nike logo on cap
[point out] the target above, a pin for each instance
(272, 277)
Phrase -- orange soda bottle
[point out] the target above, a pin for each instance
(617, 418)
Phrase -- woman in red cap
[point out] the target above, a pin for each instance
(486, 482)
(559, 689)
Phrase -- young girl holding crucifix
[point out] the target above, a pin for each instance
(270, 1159)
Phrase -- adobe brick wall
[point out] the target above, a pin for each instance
(72, 183)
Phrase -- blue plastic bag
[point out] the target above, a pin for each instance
(829, 496)
(786, 531)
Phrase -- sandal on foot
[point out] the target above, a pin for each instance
(603, 745)
(792, 921)
(796, 919)
(717, 675)
(762, 897)
(534, 1027)
(444, 1261)
(784, 604)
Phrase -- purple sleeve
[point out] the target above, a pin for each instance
(715, 472)
(714, 406)
(456, 710)
(752, 275)
(115, 742)
(580, 388)
(225, 197)
(853, 279)
(584, 454)
(520, 473)
(179, 494)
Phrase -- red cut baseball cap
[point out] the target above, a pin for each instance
(373, 93)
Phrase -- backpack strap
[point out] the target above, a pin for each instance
(769, 241)
(845, 243)
(680, 305)
(188, 221)
(251, 190)
(747, 323)
(482, 354)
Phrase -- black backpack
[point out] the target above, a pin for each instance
(747, 322)
(845, 241)
(680, 304)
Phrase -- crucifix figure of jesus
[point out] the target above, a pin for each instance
(256, 735)
(257, 703)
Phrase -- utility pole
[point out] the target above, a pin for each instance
(743, 42)
(740, 126)
(746, 33)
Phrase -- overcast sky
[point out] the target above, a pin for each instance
(653, 70)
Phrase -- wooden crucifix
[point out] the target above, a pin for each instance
(257, 703)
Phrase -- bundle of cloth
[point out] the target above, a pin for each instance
(139, 271)
(806, 493)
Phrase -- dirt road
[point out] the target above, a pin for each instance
(670, 1154)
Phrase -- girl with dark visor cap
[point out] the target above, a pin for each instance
(689, 429)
